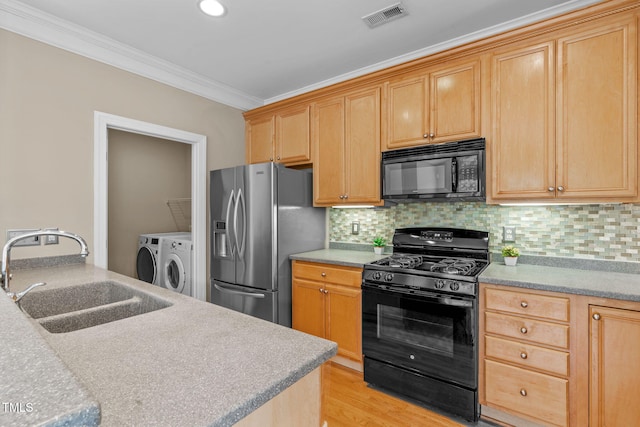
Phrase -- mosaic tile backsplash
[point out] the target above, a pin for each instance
(605, 232)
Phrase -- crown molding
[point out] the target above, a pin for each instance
(38, 25)
(441, 47)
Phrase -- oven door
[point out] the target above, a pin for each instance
(424, 332)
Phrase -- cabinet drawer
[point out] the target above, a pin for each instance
(540, 396)
(527, 329)
(527, 355)
(553, 308)
(348, 276)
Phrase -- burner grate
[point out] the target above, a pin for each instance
(405, 261)
(462, 267)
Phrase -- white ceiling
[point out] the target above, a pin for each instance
(263, 51)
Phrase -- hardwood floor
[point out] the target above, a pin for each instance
(347, 401)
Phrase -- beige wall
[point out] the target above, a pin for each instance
(47, 100)
(144, 173)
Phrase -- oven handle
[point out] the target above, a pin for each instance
(432, 297)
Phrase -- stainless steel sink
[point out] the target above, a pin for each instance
(77, 307)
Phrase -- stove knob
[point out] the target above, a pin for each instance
(439, 284)
(388, 277)
(454, 286)
(377, 275)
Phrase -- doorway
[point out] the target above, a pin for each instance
(103, 123)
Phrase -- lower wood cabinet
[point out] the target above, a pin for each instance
(614, 349)
(525, 354)
(327, 303)
(557, 359)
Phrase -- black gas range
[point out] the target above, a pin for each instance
(420, 317)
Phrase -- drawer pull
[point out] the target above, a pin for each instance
(523, 355)
(523, 392)
(596, 316)
(523, 330)
(524, 304)
(323, 274)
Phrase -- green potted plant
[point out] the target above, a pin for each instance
(378, 244)
(510, 254)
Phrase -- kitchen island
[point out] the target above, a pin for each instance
(191, 363)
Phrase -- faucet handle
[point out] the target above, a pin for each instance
(18, 296)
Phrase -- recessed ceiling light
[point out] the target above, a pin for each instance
(212, 7)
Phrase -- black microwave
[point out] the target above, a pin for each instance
(452, 171)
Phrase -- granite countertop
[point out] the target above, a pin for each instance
(598, 283)
(349, 258)
(193, 363)
(594, 278)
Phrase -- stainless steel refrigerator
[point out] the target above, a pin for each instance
(260, 214)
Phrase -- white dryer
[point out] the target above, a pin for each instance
(149, 257)
(176, 264)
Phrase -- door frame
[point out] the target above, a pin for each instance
(102, 123)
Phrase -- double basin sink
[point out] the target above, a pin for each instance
(71, 308)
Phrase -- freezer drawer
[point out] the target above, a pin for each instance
(257, 303)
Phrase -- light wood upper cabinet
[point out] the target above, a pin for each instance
(346, 137)
(283, 137)
(522, 152)
(259, 138)
(440, 104)
(565, 116)
(596, 116)
(615, 377)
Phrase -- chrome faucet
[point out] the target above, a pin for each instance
(5, 275)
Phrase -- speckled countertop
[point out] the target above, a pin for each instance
(605, 284)
(349, 258)
(608, 279)
(193, 363)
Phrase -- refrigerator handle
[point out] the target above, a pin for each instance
(240, 245)
(231, 201)
(234, 292)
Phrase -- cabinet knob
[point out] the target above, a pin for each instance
(323, 274)
(551, 189)
(278, 157)
(271, 159)
(523, 330)
(326, 291)
(341, 196)
(523, 392)
(426, 135)
(560, 188)
(523, 355)
(321, 290)
(346, 196)
(596, 316)
(524, 304)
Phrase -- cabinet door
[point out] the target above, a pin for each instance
(292, 136)
(259, 137)
(308, 307)
(329, 164)
(455, 103)
(522, 160)
(407, 105)
(344, 320)
(615, 376)
(597, 120)
(362, 142)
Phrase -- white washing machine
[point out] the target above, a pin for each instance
(176, 264)
(149, 258)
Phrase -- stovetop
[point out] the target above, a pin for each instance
(430, 266)
(433, 259)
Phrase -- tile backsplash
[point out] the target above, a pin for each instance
(605, 232)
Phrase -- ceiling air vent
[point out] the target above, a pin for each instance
(385, 15)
